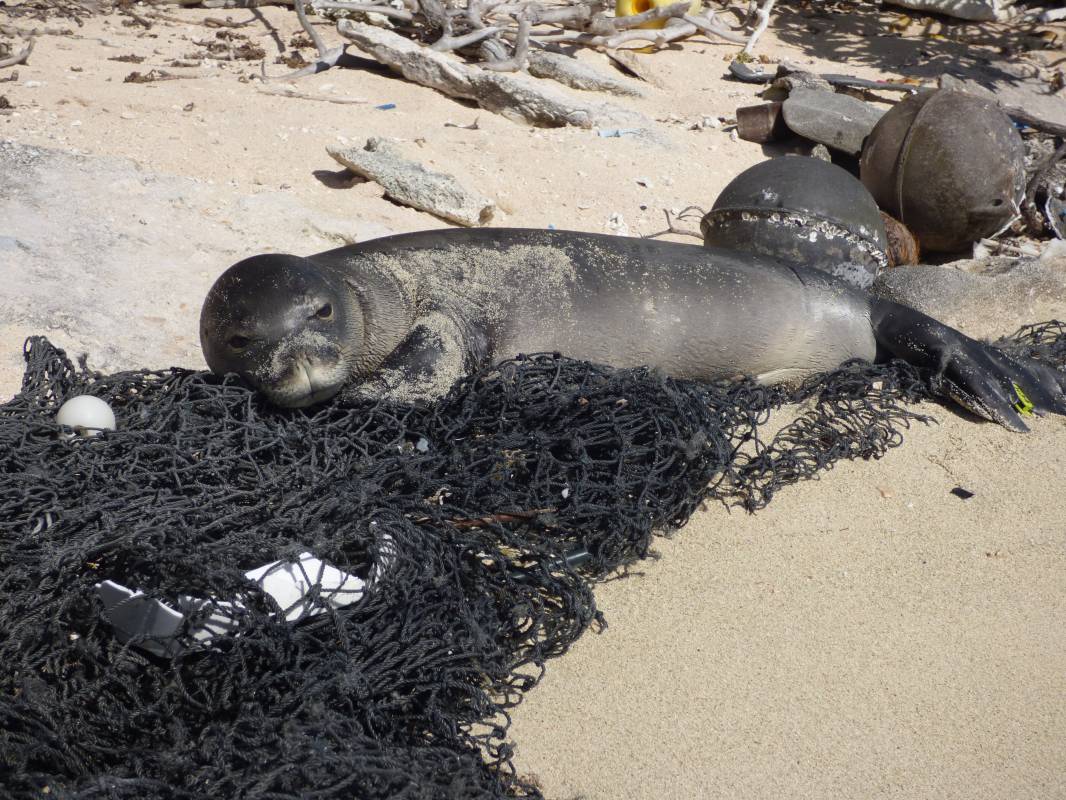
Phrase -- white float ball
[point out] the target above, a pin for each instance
(86, 411)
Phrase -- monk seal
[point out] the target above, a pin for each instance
(403, 317)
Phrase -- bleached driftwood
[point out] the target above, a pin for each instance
(288, 91)
(571, 72)
(504, 34)
(511, 96)
(327, 57)
(19, 57)
(637, 65)
(500, 32)
(413, 185)
(762, 19)
(222, 4)
(975, 10)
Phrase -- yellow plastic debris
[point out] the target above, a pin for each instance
(627, 8)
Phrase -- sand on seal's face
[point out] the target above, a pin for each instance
(306, 367)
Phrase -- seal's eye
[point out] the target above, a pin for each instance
(238, 342)
(326, 312)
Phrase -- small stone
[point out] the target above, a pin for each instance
(413, 184)
(617, 225)
(128, 115)
(820, 151)
(801, 79)
(984, 298)
(835, 120)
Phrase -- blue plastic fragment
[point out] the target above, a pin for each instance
(385, 106)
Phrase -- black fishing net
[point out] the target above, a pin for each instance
(479, 526)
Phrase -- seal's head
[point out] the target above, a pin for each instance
(282, 324)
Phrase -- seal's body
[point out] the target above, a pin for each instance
(406, 316)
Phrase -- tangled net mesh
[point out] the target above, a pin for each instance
(459, 515)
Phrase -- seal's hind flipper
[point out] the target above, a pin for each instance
(977, 376)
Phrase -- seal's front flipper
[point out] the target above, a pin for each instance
(424, 366)
(977, 376)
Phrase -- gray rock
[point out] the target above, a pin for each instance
(1011, 84)
(820, 151)
(573, 73)
(984, 298)
(835, 120)
(413, 184)
(11, 243)
(514, 96)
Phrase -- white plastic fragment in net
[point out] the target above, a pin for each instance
(299, 588)
(292, 585)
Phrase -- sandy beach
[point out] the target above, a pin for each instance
(868, 635)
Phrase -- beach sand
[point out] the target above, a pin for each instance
(867, 635)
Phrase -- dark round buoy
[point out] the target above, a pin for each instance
(949, 165)
(804, 211)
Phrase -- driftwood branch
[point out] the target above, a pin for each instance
(288, 91)
(301, 14)
(232, 3)
(685, 213)
(623, 30)
(708, 26)
(401, 14)
(19, 57)
(446, 43)
(512, 96)
(29, 33)
(762, 15)
(617, 24)
(327, 57)
(505, 32)
(215, 22)
(573, 73)
(1033, 219)
(521, 51)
